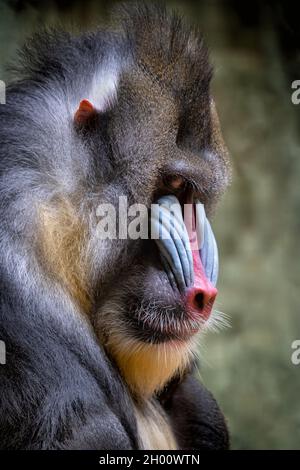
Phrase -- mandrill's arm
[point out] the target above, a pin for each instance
(195, 416)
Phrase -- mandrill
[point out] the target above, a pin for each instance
(101, 332)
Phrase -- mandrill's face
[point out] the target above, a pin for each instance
(165, 149)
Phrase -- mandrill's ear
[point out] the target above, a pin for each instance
(85, 113)
(101, 97)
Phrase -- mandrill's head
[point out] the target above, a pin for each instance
(161, 143)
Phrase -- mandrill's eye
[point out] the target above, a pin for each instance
(174, 182)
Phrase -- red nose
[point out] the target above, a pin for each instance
(201, 296)
(200, 301)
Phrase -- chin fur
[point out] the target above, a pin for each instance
(147, 367)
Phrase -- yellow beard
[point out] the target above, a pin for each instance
(147, 367)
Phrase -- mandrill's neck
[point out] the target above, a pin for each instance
(147, 367)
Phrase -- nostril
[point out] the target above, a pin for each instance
(199, 300)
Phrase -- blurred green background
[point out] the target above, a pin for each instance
(255, 48)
